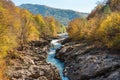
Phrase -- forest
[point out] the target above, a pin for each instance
(102, 26)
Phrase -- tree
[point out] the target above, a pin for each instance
(109, 30)
(51, 23)
(75, 28)
(28, 30)
(43, 29)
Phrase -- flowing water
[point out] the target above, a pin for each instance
(50, 59)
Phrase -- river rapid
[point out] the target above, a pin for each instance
(51, 54)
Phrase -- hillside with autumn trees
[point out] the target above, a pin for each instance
(18, 27)
(101, 26)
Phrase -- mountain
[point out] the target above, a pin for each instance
(63, 16)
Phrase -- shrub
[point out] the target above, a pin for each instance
(109, 30)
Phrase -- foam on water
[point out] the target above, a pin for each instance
(50, 59)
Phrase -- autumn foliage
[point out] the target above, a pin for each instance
(102, 25)
(18, 27)
(76, 28)
(109, 30)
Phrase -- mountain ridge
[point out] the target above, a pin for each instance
(53, 7)
(62, 15)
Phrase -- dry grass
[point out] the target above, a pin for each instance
(2, 70)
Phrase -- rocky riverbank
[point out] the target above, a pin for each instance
(30, 63)
(85, 61)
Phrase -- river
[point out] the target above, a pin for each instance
(51, 55)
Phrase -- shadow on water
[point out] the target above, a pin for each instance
(50, 59)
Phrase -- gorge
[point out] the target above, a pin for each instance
(43, 43)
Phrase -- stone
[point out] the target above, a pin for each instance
(87, 62)
(32, 65)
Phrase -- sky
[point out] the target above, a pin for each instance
(77, 5)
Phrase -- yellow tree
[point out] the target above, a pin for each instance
(109, 30)
(51, 23)
(42, 27)
(75, 28)
(7, 38)
(28, 30)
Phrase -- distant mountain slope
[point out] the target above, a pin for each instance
(64, 16)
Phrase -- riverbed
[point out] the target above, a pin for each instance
(51, 54)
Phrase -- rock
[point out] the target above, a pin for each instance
(60, 52)
(35, 71)
(42, 78)
(87, 62)
(114, 76)
(31, 64)
(40, 43)
(66, 40)
(17, 75)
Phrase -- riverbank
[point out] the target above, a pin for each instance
(86, 61)
(30, 63)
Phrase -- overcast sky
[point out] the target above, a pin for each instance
(77, 5)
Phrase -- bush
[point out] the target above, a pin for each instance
(109, 30)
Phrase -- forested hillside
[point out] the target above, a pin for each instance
(101, 26)
(64, 16)
(18, 27)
